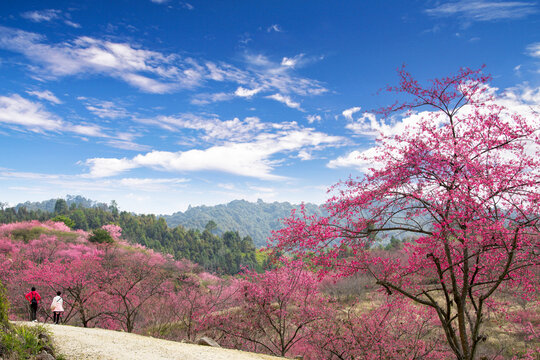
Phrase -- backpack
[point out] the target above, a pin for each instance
(33, 302)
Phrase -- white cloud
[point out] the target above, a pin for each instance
(23, 114)
(271, 76)
(147, 70)
(105, 109)
(72, 24)
(87, 130)
(18, 111)
(203, 99)
(77, 182)
(274, 27)
(242, 92)
(354, 159)
(151, 184)
(160, 1)
(304, 155)
(45, 95)
(212, 126)
(482, 10)
(313, 118)
(250, 159)
(127, 145)
(349, 112)
(42, 15)
(292, 62)
(534, 50)
(286, 100)
(106, 167)
(156, 72)
(48, 15)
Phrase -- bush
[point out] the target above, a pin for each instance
(24, 342)
(101, 236)
(4, 307)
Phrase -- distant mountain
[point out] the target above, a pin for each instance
(48, 205)
(249, 219)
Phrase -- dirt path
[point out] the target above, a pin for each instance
(77, 343)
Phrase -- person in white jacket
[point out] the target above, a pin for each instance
(57, 307)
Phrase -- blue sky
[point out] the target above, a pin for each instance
(161, 104)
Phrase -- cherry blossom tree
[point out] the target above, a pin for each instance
(132, 278)
(390, 331)
(464, 180)
(78, 278)
(182, 313)
(275, 311)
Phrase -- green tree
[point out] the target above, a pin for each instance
(61, 207)
(101, 236)
(66, 220)
(211, 226)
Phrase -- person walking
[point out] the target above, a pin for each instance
(33, 298)
(57, 307)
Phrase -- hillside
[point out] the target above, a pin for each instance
(93, 343)
(253, 219)
(256, 220)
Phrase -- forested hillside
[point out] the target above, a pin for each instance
(226, 253)
(254, 219)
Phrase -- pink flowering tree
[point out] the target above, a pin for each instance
(464, 181)
(182, 313)
(78, 278)
(274, 313)
(133, 279)
(390, 331)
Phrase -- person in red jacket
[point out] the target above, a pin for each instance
(33, 298)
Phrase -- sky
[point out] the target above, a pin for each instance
(162, 104)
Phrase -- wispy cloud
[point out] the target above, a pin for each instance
(286, 100)
(156, 72)
(22, 113)
(203, 99)
(49, 15)
(246, 93)
(42, 15)
(274, 28)
(105, 109)
(72, 24)
(45, 95)
(313, 118)
(482, 10)
(211, 126)
(292, 62)
(147, 70)
(77, 182)
(534, 50)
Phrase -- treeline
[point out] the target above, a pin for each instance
(257, 219)
(226, 253)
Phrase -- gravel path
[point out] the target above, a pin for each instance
(77, 343)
